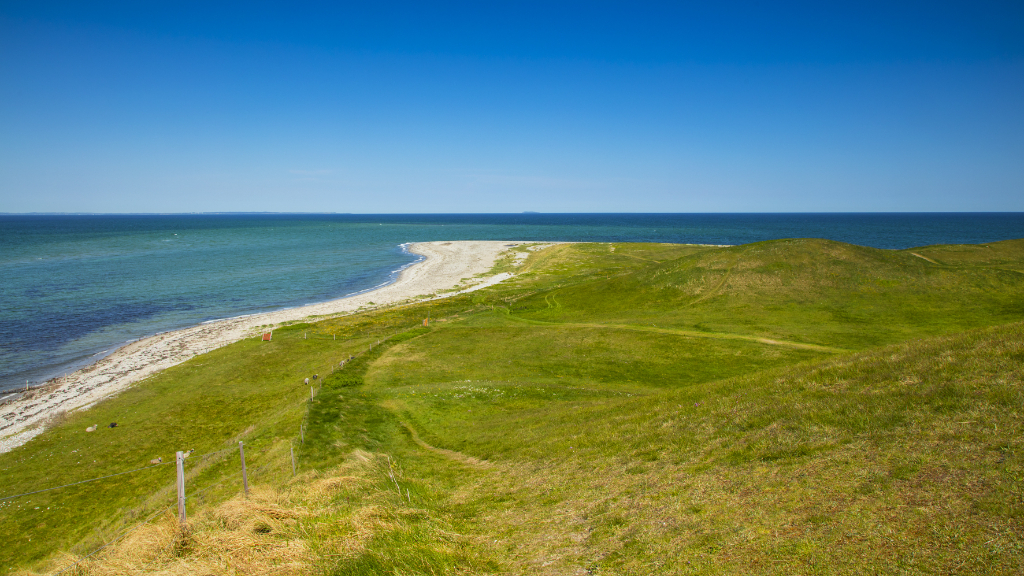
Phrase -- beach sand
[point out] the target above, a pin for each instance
(448, 265)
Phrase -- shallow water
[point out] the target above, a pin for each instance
(73, 288)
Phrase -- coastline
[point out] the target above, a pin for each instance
(444, 266)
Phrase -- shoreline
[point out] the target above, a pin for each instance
(57, 372)
(443, 266)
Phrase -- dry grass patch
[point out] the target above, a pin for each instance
(300, 528)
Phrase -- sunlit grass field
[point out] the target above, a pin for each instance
(793, 406)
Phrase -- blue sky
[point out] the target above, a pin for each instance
(511, 106)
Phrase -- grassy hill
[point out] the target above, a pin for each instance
(794, 406)
(813, 291)
(903, 458)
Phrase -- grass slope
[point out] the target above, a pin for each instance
(625, 408)
(908, 459)
(250, 391)
(813, 291)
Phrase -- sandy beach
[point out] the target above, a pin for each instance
(447, 265)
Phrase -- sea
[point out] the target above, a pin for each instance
(73, 288)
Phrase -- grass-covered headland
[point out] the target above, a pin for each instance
(793, 406)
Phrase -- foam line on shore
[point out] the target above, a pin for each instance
(393, 276)
(442, 266)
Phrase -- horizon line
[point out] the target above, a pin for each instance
(524, 213)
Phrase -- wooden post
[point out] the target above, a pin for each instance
(180, 456)
(245, 476)
(302, 434)
(292, 448)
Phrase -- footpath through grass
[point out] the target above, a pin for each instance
(904, 459)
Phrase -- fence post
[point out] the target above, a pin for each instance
(180, 457)
(292, 448)
(245, 476)
(310, 393)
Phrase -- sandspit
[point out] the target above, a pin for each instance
(447, 265)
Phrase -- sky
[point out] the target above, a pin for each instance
(476, 107)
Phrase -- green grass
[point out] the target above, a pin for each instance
(208, 404)
(907, 456)
(795, 406)
(813, 291)
(496, 349)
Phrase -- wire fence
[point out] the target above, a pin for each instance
(127, 531)
(83, 481)
(203, 458)
(151, 466)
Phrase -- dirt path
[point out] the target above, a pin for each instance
(450, 454)
(923, 257)
(689, 333)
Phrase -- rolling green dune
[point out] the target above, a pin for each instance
(793, 406)
(813, 291)
(903, 458)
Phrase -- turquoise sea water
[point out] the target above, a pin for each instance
(73, 288)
